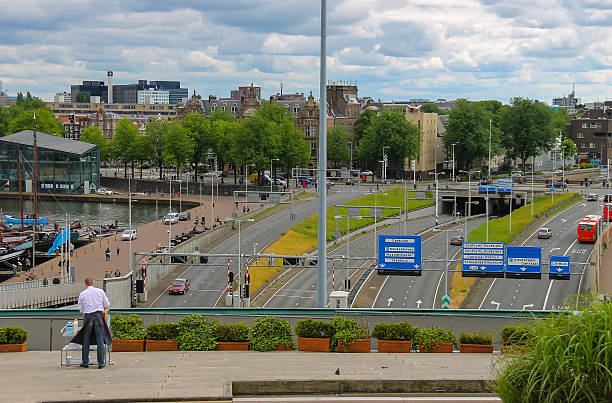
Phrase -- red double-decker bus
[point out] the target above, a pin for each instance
(607, 211)
(587, 228)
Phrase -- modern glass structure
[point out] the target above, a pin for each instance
(64, 165)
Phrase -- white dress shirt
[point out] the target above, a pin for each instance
(93, 299)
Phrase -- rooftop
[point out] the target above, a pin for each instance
(48, 141)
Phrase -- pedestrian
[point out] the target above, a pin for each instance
(377, 187)
(93, 304)
(117, 250)
(108, 254)
(117, 273)
(71, 249)
(28, 265)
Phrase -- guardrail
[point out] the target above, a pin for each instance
(47, 296)
(33, 283)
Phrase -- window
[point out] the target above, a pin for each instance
(307, 131)
(580, 135)
(212, 108)
(591, 145)
(583, 145)
(585, 125)
(295, 110)
(310, 113)
(234, 109)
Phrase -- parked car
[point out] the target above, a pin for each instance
(104, 191)
(544, 233)
(592, 197)
(517, 175)
(129, 234)
(179, 286)
(486, 182)
(171, 218)
(456, 240)
(367, 173)
(184, 216)
(558, 172)
(215, 174)
(559, 184)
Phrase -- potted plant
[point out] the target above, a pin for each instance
(162, 337)
(393, 337)
(476, 342)
(233, 337)
(314, 335)
(270, 333)
(350, 337)
(516, 339)
(196, 333)
(128, 333)
(13, 339)
(435, 340)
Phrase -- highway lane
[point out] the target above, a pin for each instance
(301, 289)
(545, 293)
(208, 282)
(423, 291)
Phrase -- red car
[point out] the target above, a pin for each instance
(179, 286)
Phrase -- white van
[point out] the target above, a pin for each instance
(171, 218)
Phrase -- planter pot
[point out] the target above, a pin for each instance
(128, 345)
(438, 348)
(313, 344)
(284, 347)
(159, 345)
(475, 348)
(515, 349)
(13, 348)
(394, 346)
(355, 346)
(233, 346)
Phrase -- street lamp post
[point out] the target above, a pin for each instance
(170, 220)
(467, 214)
(351, 160)
(271, 180)
(447, 260)
(246, 178)
(453, 147)
(436, 176)
(384, 163)
(239, 221)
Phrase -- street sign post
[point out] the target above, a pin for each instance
(399, 254)
(559, 267)
(483, 259)
(523, 262)
(445, 303)
(504, 185)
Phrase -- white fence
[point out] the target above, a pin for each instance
(119, 290)
(33, 284)
(41, 297)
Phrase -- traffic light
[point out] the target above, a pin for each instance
(203, 259)
(245, 291)
(196, 221)
(139, 286)
(231, 276)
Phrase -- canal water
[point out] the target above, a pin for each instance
(95, 214)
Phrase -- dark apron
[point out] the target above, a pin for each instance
(94, 319)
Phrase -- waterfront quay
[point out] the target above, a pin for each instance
(90, 260)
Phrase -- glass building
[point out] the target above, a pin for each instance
(64, 165)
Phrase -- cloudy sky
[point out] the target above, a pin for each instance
(393, 49)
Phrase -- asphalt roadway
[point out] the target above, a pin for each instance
(208, 282)
(544, 293)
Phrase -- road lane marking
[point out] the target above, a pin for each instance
(551, 281)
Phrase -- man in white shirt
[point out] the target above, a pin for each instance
(93, 303)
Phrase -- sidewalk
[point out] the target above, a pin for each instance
(216, 374)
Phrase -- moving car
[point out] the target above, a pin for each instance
(171, 218)
(456, 240)
(592, 197)
(179, 286)
(129, 234)
(559, 184)
(558, 172)
(184, 216)
(544, 233)
(104, 191)
(367, 173)
(517, 175)
(486, 182)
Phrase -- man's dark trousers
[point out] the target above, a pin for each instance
(95, 326)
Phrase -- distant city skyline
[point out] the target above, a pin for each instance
(393, 50)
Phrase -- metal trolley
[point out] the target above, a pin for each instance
(71, 352)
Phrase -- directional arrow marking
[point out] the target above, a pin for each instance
(416, 266)
(419, 302)
(389, 301)
(497, 304)
(527, 306)
(523, 268)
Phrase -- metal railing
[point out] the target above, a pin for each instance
(34, 283)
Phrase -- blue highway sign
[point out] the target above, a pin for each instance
(523, 261)
(399, 252)
(504, 185)
(485, 188)
(559, 266)
(483, 259)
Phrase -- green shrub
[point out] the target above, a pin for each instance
(346, 330)
(13, 335)
(314, 329)
(516, 336)
(476, 338)
(571, 360)
(393, 331)
(428, 337)
(127, 327)
(162, 331)
(195, 333)
(269, 332)
(233, 332)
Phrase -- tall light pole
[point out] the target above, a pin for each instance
(467, 214)
(239, 221)
(446, 260)
(489, 163)
(170, 220)
(384, 161)
(129, 220)
(246, 178)
(436, 175)
(322, 217)
(532, 169)
(271, 180)
(375, 214)
(453, 147)
(351, 160)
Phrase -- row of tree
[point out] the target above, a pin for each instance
(18, 117)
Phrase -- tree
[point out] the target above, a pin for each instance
(155, 134)
(5, 120)
(569, 148)
(225, 133)
(202, 136)
(527, 129)
(93, 135)
(222, 114)
(468, 129)
(178, 145)
(125, 143)
(142, 151)
(337, 145)
(430, 107)
(361, 125)
(83, 97)
(294, 150)
(560, 119)
(45, 122)
(390, 128)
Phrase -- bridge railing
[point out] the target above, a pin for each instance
(40, 297)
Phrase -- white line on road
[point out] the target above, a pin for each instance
(551, 281)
